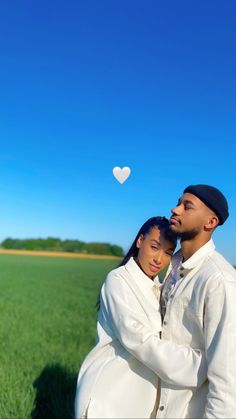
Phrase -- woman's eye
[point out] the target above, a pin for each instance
(154, 247)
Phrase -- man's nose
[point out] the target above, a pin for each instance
(176, 210)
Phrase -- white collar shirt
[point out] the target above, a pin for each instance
(179, 269)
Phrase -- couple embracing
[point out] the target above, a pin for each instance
(166, 350)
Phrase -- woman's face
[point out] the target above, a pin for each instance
(154, 252)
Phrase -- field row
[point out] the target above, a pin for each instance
(48, 320)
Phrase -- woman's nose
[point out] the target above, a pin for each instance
(158, 258)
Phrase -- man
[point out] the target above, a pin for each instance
(199, 307)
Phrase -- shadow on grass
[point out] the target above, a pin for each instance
(55, 393)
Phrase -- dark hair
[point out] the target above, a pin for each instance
(161, 223)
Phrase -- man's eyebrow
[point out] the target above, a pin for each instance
(185, 201)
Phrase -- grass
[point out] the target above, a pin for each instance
(47, 326)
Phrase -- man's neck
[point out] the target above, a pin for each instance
(189, 247)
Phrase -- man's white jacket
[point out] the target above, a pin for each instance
(201, 312)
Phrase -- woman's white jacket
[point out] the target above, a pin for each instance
(119, 377)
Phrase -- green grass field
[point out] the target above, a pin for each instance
(47, 326)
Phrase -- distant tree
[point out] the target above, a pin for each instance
(72, 246)
(56, 244)
(8, 243)
(117, 250)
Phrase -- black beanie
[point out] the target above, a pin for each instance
(212, 198)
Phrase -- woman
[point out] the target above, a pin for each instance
(119, 377)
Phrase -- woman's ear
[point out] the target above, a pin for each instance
(139, 241)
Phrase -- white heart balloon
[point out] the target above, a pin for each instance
(121, 174)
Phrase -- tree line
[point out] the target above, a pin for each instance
(58, 245)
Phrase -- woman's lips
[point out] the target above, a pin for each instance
(154, 268)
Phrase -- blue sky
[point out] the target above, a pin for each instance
(88, 85)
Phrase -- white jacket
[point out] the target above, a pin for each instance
(118, 378)
(201, 312)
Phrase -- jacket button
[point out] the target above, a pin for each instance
(165, 323)
(161, 408)
(181, 275)
(135, 324)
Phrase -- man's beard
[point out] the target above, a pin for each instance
(187, 235)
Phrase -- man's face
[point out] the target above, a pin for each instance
(189, 217)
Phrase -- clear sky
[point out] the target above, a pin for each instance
(88, 85)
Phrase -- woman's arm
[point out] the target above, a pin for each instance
(175, 364)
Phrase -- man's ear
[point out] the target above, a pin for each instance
(213, 222)
(139, 241)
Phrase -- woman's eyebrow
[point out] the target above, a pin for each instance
(156, 241)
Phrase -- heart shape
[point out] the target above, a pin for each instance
(121, 174)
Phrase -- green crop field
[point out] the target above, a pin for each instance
(47, 326)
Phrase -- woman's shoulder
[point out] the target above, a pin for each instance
(116, 273)
(116, 279)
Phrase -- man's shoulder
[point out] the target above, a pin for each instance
(216, 265)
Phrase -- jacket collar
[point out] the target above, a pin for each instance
(197, 258)
(140, 277)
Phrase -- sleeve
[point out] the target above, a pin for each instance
(220, 344)
(175, 364)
